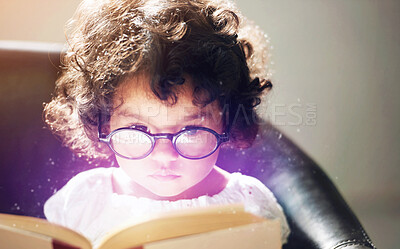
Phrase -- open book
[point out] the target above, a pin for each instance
(213, 227)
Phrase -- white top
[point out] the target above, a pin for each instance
(87, 203)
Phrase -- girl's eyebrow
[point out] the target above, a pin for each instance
(199, 115)
(128, 114)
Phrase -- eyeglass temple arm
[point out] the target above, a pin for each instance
(224, 137)
(100, 135)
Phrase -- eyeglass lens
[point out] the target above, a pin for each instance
(191, 143)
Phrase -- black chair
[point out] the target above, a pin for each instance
(34, 164)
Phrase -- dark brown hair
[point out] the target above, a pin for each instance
(110, 40)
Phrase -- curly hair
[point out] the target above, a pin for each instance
(109, 40)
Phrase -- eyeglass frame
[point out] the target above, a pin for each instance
(221, 138)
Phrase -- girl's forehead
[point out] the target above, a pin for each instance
(138, 85)
(154, 113)
(140, 105)
(135, 97)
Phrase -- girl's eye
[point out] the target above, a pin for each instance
(191, 132)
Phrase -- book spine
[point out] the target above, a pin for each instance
(62, 245)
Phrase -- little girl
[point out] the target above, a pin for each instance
(161, 86)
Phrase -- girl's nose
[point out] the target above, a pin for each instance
(164, 151)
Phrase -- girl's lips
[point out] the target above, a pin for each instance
(165, 178)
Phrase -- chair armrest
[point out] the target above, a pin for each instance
(354, 247)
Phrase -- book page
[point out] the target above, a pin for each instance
(45, 228)
(183, 223)
(265, 235)
(12, 238)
